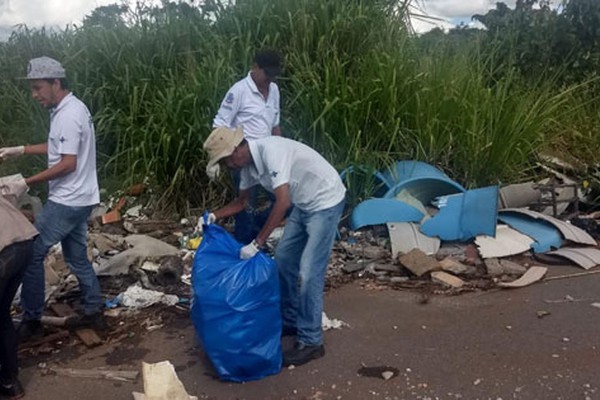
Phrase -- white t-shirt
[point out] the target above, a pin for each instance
(313, 183)
(72, 133)
(245, 106)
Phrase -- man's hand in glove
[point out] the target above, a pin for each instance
(249, 250)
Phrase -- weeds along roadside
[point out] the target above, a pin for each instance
(356, 86)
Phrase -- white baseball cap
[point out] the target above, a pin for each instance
(45, 68)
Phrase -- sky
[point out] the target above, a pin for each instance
(60, 13)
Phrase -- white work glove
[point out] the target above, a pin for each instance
(14, 188)
(210, 219)
(249, 250)
(7, 152)
(213, 172)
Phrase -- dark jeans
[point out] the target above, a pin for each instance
(249, 222)
(13, 261)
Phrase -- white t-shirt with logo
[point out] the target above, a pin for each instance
(313, 183)
(72, 133)
(245, 106)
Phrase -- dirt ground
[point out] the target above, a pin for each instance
(539, 342)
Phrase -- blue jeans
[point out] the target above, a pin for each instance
(302, 257)
(67, 225)
(249, 222)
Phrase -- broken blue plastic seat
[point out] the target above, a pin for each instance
(546, 235)
(465, 215)
(381, 211)
(423, 181)
(380, 182)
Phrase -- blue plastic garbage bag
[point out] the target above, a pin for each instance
(235, 308)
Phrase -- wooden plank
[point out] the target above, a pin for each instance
(62, 310)
(89, 337)
(115, 375)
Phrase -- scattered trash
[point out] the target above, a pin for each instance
(383, 372)
(533, 274)
(98, 373)
(161, 383)
(137, 297)
(328, 324)
(542, 313)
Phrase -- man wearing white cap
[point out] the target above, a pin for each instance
(73, 191)
(298, 176)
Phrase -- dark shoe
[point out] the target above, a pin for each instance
(288, 331)
(13, 391)
(94, 321)
(302, 353)
(30, 330)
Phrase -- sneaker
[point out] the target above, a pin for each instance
(94, 321)
(288, 331)
(13, 391)
(302, 353)
(30, 330)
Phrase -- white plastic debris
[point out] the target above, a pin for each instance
(328, 324)
(137, 297)
(150, 266)
(161, 383)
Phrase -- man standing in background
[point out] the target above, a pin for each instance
(254, 104)
(73, 192)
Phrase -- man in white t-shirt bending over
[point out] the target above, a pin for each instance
(298, 176)
(73, 191)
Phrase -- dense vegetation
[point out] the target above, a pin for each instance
(358, 86)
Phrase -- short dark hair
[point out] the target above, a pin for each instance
(269, 60)
(64, 84)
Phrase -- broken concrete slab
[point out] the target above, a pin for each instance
(447, 279)
(144, 248)
(106, 243)
(351, 267)
(493, 267)
(387, 267)
(512, 268)
(418, 262)
(496, 267)
(448, 264)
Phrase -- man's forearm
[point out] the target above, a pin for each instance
(39, 149)
(275, 217)
(67, 165)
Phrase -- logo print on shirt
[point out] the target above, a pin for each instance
(274, 174)
(229, 98)
(62, 139)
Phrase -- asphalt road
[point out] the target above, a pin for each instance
(487, 345)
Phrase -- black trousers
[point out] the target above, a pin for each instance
(13, 261)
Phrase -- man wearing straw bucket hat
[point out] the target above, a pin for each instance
(301, 178)
(73, 192)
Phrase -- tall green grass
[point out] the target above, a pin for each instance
(356, 86)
